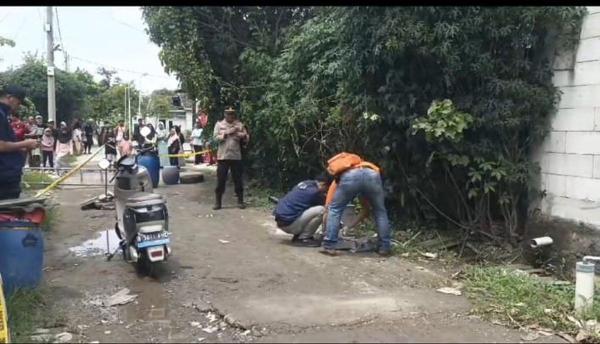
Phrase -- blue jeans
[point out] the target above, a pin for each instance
(362, 182)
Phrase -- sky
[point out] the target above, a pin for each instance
(112, 37)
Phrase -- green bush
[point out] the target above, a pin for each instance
(311, 82)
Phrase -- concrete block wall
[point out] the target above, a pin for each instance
(570, 156)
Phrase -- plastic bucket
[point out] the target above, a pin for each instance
(170, 175)
(21, 255)
(152, 163)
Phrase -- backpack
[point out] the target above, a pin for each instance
(342, 162)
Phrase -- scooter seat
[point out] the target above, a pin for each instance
(143, 197)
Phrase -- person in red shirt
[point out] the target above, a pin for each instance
(19, 127)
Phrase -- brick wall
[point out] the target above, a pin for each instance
(570, 155)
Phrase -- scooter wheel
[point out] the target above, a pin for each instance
(144, 266)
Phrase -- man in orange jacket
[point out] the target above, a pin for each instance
(362, 179)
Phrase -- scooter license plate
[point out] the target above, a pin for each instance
(151, 243)
(156, 254)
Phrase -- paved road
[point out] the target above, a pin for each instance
(235, 268)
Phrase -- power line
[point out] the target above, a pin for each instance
(119, 69)
(59, 33)
(43, 31)
(128, 25)
(62, 44)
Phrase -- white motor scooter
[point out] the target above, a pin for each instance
(142, 216)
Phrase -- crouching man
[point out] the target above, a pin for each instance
(300, 212)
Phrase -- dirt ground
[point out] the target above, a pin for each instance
(234, 277)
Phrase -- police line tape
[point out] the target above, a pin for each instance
(68, 174)
(185, 155)
(78, 167)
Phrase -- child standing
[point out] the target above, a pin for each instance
(110, 148)
(125, 146)
(48, 147)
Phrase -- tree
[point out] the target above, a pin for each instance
(107, 75)
(160, 103)
(6, 41)
(73, 90)
(374, 80)
(205, 47)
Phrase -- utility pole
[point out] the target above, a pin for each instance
(50, 71)
(125, 118)
(129, 104)
(66, 61)
(140, 103)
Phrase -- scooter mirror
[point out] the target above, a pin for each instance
(103, 164)
(145, 131)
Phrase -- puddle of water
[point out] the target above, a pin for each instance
(97, 246)
(152, 303)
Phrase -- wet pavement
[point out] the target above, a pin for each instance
(105, 242)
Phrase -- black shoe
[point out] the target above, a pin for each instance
(329, 252)
(218, 202)
(308, 242)
(240, 203)
(384, 252)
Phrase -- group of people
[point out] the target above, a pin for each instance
(54, 143)
(313, 203)
(119, 142)
(309, 205)
(322, 201)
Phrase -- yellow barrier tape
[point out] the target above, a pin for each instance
(78, 167)
(185, 155)
(68, 174)
(4, 332)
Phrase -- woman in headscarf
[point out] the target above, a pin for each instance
(64, 147)
(181, 142)
(161, 133)
(151, 139)
(77, 138)
(174, 145)
(197, 142)
(161, 137)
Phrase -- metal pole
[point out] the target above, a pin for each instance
(125, 106)
(50, 61)
(129, 105)
(140, 104)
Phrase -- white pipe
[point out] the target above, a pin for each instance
(591, 259)
(541, 241)
(584, 285)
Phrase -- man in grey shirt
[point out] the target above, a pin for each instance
(231, 134)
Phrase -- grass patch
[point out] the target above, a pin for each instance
(258, 197)
(51, 219)
(522, 300)
(32, 180)
(70, 159)
(28, 310)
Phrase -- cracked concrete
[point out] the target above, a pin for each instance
(260, 287)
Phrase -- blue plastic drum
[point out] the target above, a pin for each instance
(152, 163)
(21, 255)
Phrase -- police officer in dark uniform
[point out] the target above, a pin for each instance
(12, 153)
